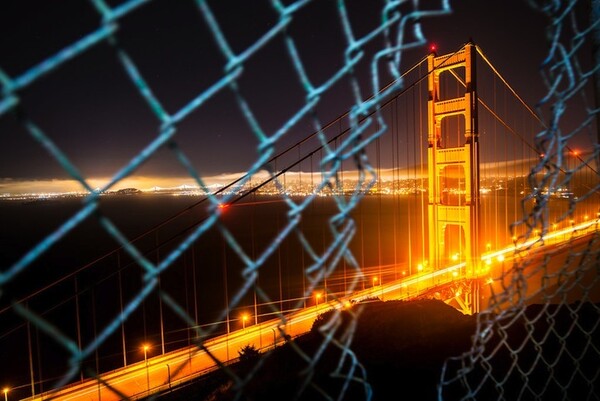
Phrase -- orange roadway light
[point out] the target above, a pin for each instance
(145, 348)
(318, 296)
(5, 390)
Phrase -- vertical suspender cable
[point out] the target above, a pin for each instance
(421, 153)
(193, 249)
(30, 346)
(78, 324)
(160, 309)
(395, 182)
(120, 279)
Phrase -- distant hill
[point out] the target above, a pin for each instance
(128, 191)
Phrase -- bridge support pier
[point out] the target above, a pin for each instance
(466, 295)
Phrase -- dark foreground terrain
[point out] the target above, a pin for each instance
(400, 348)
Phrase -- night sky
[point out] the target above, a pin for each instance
(93, 112)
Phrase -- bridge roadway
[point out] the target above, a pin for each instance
(162, 372)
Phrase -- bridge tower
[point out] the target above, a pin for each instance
(453, 208)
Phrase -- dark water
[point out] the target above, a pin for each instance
(85, 281)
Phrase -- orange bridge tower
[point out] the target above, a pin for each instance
(453, 208)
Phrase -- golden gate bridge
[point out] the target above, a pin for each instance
(441, 217)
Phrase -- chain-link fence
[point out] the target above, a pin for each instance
(538, 339)
(520, 350)
(59, 64)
